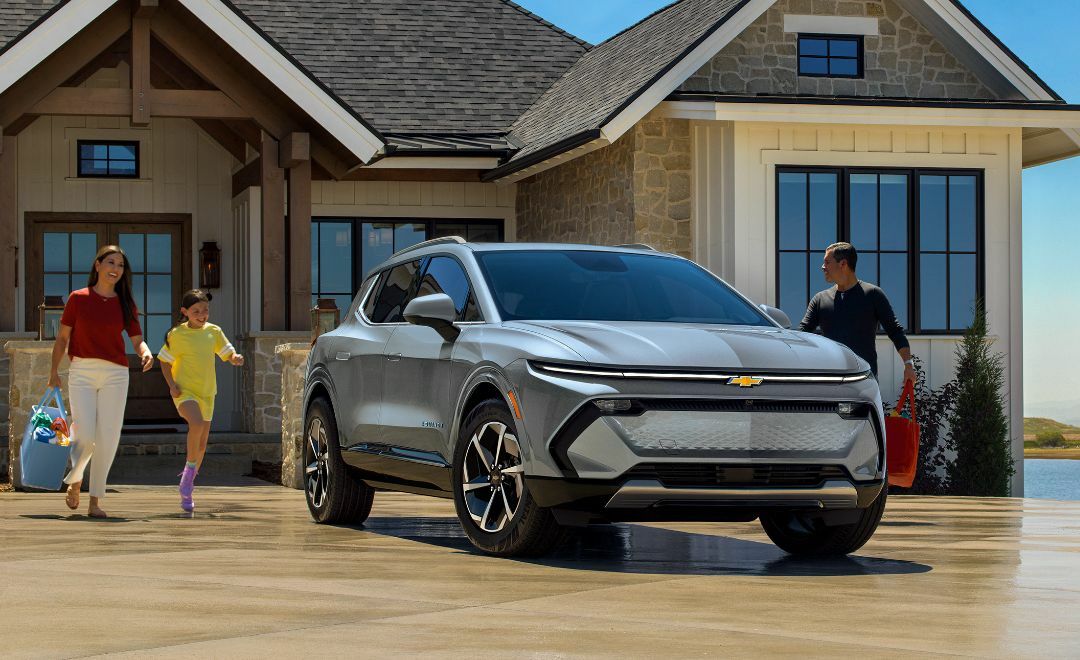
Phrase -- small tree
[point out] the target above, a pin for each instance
(978, 427)
(1050, 440)
(932, 409)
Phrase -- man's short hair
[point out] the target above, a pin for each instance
(844, 252)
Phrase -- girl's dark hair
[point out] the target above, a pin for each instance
(123, 287)
(192, 297)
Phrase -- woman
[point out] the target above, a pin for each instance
(91, 333)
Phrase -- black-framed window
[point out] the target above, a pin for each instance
(830, 56)
(343, 250)
(113, 159)
(918, 233)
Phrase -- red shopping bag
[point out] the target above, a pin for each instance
(902, 441)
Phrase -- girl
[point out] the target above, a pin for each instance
(187, 362)
(91, 333)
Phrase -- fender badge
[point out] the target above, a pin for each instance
(746, 381)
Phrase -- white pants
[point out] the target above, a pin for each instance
(97, 390)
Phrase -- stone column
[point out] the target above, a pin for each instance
(293, 359)
(260, 378)
(29, 363)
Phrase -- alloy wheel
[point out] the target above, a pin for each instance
(317, 473)
(493, 477)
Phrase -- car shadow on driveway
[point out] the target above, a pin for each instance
(630, 548)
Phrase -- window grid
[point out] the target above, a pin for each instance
(100, 159)
(810, 59)
(948, 252)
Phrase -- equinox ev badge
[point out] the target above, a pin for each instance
(745, 381)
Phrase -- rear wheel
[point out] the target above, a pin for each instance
(334, 495)
(492, 500)
(805, 534)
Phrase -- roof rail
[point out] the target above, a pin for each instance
(435, 241)
(637, 246)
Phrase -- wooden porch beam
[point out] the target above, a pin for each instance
(64, 63)
(274, 270)
(145, 8)
(300, 245)
(9, 222)
(110, 102)
(295, 149)
(19, 124)
(248, 176)
(329, 160)
(140, 68)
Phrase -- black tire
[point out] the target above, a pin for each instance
(530, 530)
(333, 493)
(800, 534)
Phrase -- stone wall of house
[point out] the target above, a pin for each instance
(260, 379)
(29, 363)
(293, 360)
(903, 60)
(636, 190)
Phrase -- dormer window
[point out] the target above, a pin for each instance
(830, 56)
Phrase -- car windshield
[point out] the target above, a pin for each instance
(586, 285)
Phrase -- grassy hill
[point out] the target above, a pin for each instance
(1036, 425)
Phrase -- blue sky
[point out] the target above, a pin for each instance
(1043, 35)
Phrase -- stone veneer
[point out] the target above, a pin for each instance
(293, 360)
(636, 190)
(29, 365)
(260, 379)
(903, 60)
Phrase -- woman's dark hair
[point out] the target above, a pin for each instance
(123, 287)
(192, 297)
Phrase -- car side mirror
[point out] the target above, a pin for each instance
(436, 311)
(777, 315)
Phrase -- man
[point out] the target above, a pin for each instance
(850, 311)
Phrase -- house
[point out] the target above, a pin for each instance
(309, 140)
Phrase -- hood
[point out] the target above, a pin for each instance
(693, 346)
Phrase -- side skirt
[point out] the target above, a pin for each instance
(399, 468)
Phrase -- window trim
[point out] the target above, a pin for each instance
(79, 144)
(914, 251)
(860, 55)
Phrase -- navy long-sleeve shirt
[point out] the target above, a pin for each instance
(851, 317)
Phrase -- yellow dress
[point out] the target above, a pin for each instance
(190, 352)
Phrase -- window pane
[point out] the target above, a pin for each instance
(56, 252)
(793, 285)
(159, 253)
(83, 250)
(378, 244)
(792, 211)
(343, 302)
(121, 152)
(864, 215)
(823, 212)
(932, 283)
(122, 167)
(314, 262)
(56, 285)
(843, 48)
(813, 65)
(91, 167)
(80, 281)
(155, 328)
(369, 305)
(483, 233)
(932, 212)
(392, 298)
(868, 268)
(408, 235)
(962, 193)
(138, 291)
(445, 275)
(158, 294)
(448, 229)
(808, 46)
(843, 67)
(86, 151)
(816, 275)
(335, 257)
(893, 281)
(893, 211)
(961, 290)
(132, 245)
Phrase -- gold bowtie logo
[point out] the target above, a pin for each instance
(745, 381)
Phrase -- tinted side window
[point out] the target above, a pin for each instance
(394, 293)
(445, 275)
(369, 304)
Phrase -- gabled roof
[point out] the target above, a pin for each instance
(18, 15)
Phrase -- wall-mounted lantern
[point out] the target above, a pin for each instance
(325, 316)
(209, 266)
(49, 313)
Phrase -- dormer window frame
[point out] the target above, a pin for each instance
(828, 57)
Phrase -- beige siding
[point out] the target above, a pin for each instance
(735, 210)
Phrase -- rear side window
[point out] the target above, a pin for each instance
(394, 293)
(369, 304)
(445, 275)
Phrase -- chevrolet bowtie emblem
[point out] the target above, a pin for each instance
(745, 381)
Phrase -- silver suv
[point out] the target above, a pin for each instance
(545, 387)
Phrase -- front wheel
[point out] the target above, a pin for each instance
(334, 495)
(803, 534)
(492, 500)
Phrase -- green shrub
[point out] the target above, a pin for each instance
(1050, 440)
(932, 410)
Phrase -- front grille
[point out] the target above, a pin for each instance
(742, 405)
(696, 475)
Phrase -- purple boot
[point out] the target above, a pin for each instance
(187, 487)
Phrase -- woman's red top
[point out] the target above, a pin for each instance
(97, 324)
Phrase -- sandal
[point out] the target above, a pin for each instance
(72, 497)
(97, 512)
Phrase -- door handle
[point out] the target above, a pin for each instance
(343, 356)
(393, 357)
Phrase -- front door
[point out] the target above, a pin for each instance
(61, 252)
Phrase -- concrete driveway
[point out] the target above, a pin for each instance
(251, 576)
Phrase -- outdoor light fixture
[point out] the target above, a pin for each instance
(209, 266)
(49, 313)
(325, 316)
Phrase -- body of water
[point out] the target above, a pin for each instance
(1052, 479)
